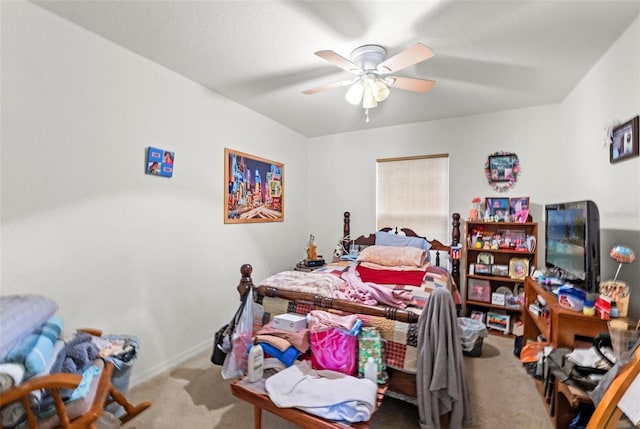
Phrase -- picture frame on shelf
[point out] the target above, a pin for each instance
(624, 141)
(512, 301)
(518, 203)
(482, 269)
(498, 298)
(498, 321)
(477, 315)
(500, 270)
(521, 216)
(498, 208)
(479, 290)
(531, 243)
(484, 258)
(518, 268)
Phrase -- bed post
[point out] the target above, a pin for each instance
(245, 280)
(346, 231)
(455, 240)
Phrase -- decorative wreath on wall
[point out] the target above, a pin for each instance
(502, 169)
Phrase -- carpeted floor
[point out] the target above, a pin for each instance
(195, 396)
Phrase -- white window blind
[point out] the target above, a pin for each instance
(414, 193)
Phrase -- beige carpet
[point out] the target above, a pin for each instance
(195, 396)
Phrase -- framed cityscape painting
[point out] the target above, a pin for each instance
(254, 188)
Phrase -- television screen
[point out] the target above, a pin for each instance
(573, 242)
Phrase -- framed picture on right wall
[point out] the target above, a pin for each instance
(624, 141)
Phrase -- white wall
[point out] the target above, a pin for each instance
(560, 147)
(138, 254)
(82, 223)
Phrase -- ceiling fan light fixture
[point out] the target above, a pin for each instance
(368, 99)
(354, 93)
(372, 84)
(380, 90)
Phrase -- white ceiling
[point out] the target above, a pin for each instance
(489, 55)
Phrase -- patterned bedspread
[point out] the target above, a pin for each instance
(400, 338)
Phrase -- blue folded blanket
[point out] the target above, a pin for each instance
(287, 357)
(36, 349)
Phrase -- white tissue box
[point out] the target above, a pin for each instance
(290, 322)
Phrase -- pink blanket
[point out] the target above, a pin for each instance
(371, 293)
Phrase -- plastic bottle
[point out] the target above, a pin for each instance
(255, 363)
(588, 308)
(614, 312)
(371, 370)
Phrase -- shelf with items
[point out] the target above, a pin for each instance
(498, 257)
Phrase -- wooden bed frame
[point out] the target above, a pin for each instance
(402, 383)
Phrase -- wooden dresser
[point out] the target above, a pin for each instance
(561, 327)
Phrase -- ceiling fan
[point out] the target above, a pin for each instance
(374, 74)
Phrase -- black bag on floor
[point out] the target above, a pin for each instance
(222, 337)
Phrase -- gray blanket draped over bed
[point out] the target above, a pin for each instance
(441, 380)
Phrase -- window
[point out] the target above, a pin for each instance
(413, 193)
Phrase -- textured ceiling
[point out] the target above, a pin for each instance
(489, 55)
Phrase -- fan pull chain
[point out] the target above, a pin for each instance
(366, 115)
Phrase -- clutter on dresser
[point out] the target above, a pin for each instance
(617, 291)
(311, 248)
(624, 334)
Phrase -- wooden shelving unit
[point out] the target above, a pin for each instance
(501, 256)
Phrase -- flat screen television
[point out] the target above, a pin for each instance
(572, 243)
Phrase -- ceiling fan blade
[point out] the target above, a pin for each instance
(410, 84)
(339, 61)
(406, 58)
(329, 86)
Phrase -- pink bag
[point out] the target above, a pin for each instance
(334, 349)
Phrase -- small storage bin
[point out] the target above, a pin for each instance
(472, 334)
(476, 351)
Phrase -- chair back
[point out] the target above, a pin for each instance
(607, 413)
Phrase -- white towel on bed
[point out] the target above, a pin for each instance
(328, 394)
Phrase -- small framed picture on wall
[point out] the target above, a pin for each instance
(624, 141)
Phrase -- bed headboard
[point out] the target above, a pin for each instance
(436, 245)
